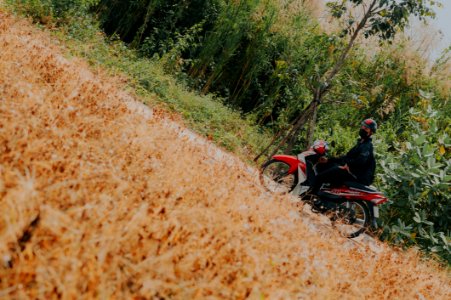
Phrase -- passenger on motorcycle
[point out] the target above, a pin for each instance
(357, 165)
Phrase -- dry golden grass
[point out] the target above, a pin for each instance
(129, 207)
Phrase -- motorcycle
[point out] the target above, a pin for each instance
(352, 207)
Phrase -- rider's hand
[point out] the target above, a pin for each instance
(345, 167)
(322, 160)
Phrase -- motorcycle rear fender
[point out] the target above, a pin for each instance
(292, 161)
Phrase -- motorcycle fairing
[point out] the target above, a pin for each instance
(292, 161)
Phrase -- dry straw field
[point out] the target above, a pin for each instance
(101, 200)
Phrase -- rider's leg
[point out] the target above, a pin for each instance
(333, 175)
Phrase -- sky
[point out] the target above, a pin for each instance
(434, 39)
(429, 41)
(442, 22)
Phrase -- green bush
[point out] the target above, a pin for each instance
(416, 177)
(48, 11)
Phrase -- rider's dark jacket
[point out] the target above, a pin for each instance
(361, 162)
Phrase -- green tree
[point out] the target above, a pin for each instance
(379, 18)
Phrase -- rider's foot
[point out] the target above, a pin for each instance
(309, 197)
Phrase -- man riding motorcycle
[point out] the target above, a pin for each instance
(357, 165)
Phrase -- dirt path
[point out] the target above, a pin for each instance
(128, 204)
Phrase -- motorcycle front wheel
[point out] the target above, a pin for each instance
(275, 178)
(351, 218)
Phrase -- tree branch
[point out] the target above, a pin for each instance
(343, 56)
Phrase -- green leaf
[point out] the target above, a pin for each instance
(417, 218)
(416, 175)
(420, 140)
(428, 150)
(436, 249)
(428, 223)
(425, 95)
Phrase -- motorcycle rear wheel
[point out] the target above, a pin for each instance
(275, 178)
(351, 218)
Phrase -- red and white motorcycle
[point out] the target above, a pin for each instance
(352, 207)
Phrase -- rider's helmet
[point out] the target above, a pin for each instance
(320, 147)
(371, 124)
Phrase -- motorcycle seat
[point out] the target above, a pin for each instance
(358, 186)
